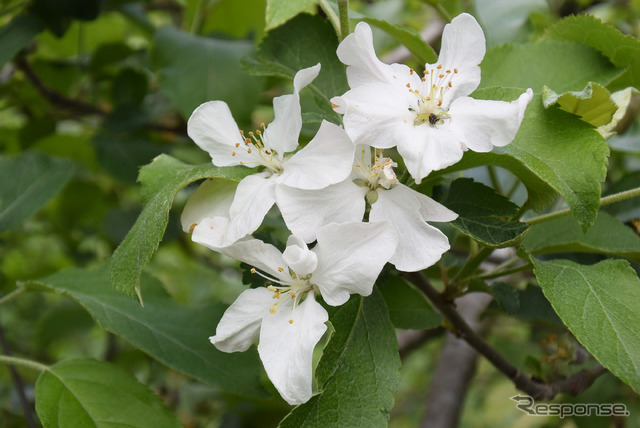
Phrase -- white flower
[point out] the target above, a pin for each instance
(324, 161)
(420, 245)
(285, 318)
(427, 115)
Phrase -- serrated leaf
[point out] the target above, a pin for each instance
(562, 150)
(607, 235)
(593, 104)
(408, 307)
(561, 65)
(601, 306)
(622, 50)
(283, 52)
(507, 297)
(174, 335)
(194, 69)
(410, 39)
(27, 183)
(358, 372)
(280, 11)
(161, 180)
(483, 214)
(91, 393)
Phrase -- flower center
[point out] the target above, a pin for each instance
(258, 148)
(288, 293)
(436, 82)
(378, 173)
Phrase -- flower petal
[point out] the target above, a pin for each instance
(485, 123)
(420, 245)
(212, 127)
(350, 257)
(286, 349)
(326, 160)
(298, 256)
(304, 211)
(211, 199)
(239, 327)
(254, 197)
(463, 48)
(282, 134)
(429, 210)
(357, 51)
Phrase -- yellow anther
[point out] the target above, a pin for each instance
(258, 132)
(426, 72)
(233, 153)
(262, 125)
(249, 150)
(272, 288)
(253, 270)
(450, 85)
(441, 75)
(237, 144)
(273, 309)
(193, 226)
(247, 141)
(250, 134)
(358, 165)
(290, 321)
(424, 79)
(293, 295)
(448, 71)
(411, 71)
(241, 132)
(439, 66)
(408, 85)
(280, 269)
(455, 70)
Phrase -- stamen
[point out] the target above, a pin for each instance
(290, 321)
(233, 153)
(280, 269)
(193, 226)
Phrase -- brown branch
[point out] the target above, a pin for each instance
(573, 384)
(410, 340)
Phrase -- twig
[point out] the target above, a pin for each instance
(17, 382)
(410, 340)
(573, 384)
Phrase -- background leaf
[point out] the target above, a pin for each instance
(483, 214)
(161, 180)
(601, 306)
(280, 11)
(27, 182)
(593, 104)
(363, 351)
(607, 235)
(173, 334)
(408, 307)
(93, 393)
(17, 34)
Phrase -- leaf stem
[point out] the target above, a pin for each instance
(497, 273)
(343, 10)
(472, 263)
(573, 384)
(607, 200)
(15, 361)
(331, 15)
(440, 9)
(9, 296)
(494, 179)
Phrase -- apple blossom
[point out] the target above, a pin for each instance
(285, 317)
(428, 116)
(324, 161)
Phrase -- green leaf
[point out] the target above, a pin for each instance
(507, 20)
(410, 39)
(173, 334)
(280, 11)
(562, 150)
(593, 104)
(623, 51)
(607, 235)
(563, 66)
(358, 372)
(91, 393)
(483, 214)
(601, 306)
(17, 34)
(283, 52)
(194, 69)
(161, 180)
(507, 297)
(408, 308)
(27, 183)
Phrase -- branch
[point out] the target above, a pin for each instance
(410, 340)
(573, 384)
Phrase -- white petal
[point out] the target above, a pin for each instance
(350, 257)
(298, 256)
(429, 209)
(463, 47)
(282, 134)
(286, 349)
(372, 114)
(419, 244)
(485, 123)
(304, 211)
(212, 127)
(326, 160)
(254, 198)
(425, 148)
(357, 51)
(210, 232)
(239, 327)
(211, 199)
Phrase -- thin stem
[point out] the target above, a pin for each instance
(607, 200)
(343, 10)
(472, 263)
(331, 15)
(573, 384)
(14, 293)
(494, 179)
(15, 361)
(497, 274)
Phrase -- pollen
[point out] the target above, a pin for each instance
(408, 85)
(426, 72)
(249, 150)
(233, 153)
(424, 79)
(273, 309)
(290, 321)
(253, 270)
(439, 66)
(333, 105)
(441, 75)
(293, 295)
(237, 144)
(411, 71)
(280, 269)
(455, 70)
(246, 141)
(250, 134)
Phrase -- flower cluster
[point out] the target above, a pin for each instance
(325, 190)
